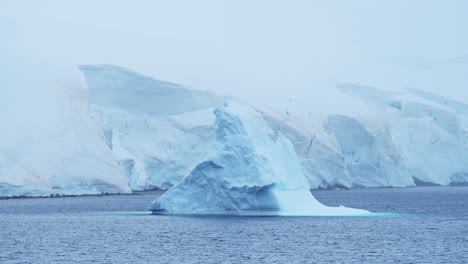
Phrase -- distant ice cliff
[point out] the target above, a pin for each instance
(132, 132)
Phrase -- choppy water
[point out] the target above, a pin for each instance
(117, 229)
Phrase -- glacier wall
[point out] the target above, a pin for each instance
(158, 131)
(50, 143)
(318, 152)
(372, 160)
(141, 133)
(428, 131)
(414, 137)
(158, 148)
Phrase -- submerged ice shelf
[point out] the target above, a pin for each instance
(252, 170)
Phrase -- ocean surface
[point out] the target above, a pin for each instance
(432, 228)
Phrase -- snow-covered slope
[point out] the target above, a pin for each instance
(407, 139)
(251, 170)
(157, 130)
(116, 87)
(50, 144)
(427, 131)
(145, 133)
(157, 148)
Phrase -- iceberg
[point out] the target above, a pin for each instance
(252, 170)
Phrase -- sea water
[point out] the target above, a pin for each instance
(425, 225)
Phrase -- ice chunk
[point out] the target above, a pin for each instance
(252, 170)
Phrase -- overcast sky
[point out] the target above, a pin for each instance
(257, 50)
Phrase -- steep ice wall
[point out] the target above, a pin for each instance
(252, 170)
(459, 108)
(158, 151)
(318, 152)
(157, 130)
(342, 151)
(428, 132)
(406, 137)
(158, 144)
(371, 159)
(50, 144)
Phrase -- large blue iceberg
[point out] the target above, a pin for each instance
(252, 170)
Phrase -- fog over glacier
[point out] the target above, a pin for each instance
(308, 67)
(261, 51)
(233, 131)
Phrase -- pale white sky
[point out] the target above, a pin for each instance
(258, 50)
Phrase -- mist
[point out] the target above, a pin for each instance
(264, 52)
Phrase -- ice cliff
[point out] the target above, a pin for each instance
(414, 137)
(50, 143)
(428, 132)
(252, 170)
(158, 131)
(140, 133)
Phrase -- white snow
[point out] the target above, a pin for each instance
(318, 151)
(251, 170)
(117, 87)
(158, 131)
(427, 132)
(157, 148)
(141, 133)
(50, 142)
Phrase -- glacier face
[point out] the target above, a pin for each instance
(157, 151)
(411, 141)
(157, 148)
(372, 160)
(54, 147)
(318, 152)
(428, 131)
(158, 131)
(146, 133)
(251, 170)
